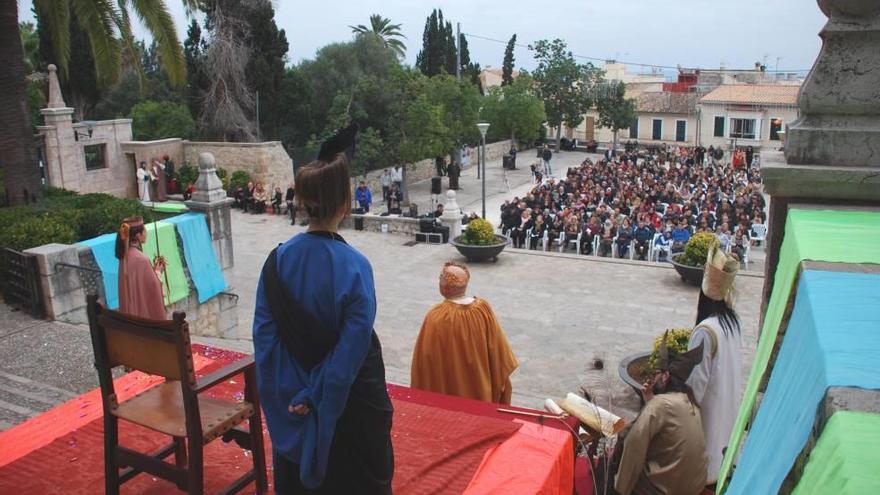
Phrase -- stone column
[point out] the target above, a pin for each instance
(210, 199)
(451, 216)
(63, 294)
(62, 152)
(832, 152)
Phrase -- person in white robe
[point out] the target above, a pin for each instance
(717, 380)
(144, 178)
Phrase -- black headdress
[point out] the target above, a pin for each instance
(342, 142)
(679, 366)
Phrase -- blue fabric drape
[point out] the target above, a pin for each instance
(833, 339)
(198, 251)
(104, 251)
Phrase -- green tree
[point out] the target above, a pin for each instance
(101, 21)
(153, 120)
(30, 44)
(81, 87)
(616, 111)
(565, 86)
(387, 32)
(438, 47)
(507, 66)
(514, 111)
(265, 69)
(196, 78)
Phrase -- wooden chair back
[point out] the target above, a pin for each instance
(155, 347)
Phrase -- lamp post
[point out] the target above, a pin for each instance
(483, 127)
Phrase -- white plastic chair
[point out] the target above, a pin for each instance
(654, 254)
(759, 233)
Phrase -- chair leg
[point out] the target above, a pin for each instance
(179, 452)
(195, 473)
(111, 440)
(255, 425)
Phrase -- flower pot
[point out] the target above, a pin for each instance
(481, 253)
(691, 274)
(631, 371)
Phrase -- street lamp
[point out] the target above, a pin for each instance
(483, 127)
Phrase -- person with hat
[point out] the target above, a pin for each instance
(717, 380)
(664, 450)
(461, 349)
(319, 366)
(140, 289)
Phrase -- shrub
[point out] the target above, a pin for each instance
(240, 178)
(36, 231)
(479, 232)
(186, 174)
(677, 344)
(223, 175)
(159, 120)
(697, 248)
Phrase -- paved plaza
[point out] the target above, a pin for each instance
(560, 311)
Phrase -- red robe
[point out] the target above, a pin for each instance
(140, 292)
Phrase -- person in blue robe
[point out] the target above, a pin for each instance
(320, 372)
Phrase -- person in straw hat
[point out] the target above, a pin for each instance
(140, 291)
(716, 382)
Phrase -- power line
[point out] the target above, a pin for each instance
(653, 66)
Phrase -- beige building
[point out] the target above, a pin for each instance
(746, 115)
(664, 117)
(491, 77)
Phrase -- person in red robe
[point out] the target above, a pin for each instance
(140, 289)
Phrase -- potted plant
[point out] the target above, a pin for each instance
(690, 263)
(480, 242)
(636, 369)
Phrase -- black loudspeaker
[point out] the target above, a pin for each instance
(426, 225)
(413, 210)
(435, 185)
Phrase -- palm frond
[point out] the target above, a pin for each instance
(55, 15)
(359, 29)
(124, 24)
(154, 14)
(98, 18)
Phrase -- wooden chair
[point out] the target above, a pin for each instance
(162, 347)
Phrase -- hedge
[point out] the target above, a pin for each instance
(66, 217)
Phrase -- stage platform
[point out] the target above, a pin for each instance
(442, 444)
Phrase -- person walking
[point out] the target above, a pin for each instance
(386, 181)
(546, 156)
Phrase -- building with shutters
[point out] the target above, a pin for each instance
(746, 115)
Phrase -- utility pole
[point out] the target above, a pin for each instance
(458, 51)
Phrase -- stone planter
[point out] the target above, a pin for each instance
(691, 274)
(631, 371)
(481, 253)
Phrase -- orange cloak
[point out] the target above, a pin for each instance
(462, 351)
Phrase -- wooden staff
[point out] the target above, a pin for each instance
(159, 256)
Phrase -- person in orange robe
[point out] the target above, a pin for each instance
(461, 349)
(140, 291)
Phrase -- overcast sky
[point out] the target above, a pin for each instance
(690, 33)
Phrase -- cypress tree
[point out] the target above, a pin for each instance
(507, 67)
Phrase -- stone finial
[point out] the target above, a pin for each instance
(451, 216)
(451, 204)
(209, 188)
(55, 98)
(840, 100)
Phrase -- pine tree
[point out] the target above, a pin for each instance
(507, 67)
(449, 49)
(465, 53)
(428, 60)
(194, 54)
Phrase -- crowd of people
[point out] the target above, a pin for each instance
(640, 201)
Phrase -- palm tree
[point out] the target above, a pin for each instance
(107, 24)
(382, 27)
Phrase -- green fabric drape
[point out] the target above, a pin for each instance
(168, 248)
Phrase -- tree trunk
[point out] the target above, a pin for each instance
(558, 135)
(21, 177)
(615, 140)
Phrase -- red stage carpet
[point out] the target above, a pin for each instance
(439, 442)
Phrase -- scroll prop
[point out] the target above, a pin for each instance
(592, 415)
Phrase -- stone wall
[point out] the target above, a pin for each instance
(266, 162)
(66, 162)
(147, 151)
(425, 169)
(373, 223)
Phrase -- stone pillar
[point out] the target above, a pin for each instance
(210, 199)
(62, 158)
(451, 216)
(63, 294)
(832, 152)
